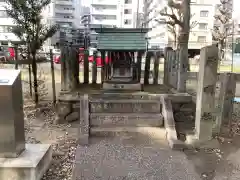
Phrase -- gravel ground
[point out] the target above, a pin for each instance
(131, 157)
(39, 128)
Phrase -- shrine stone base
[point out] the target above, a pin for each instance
(122, 86)
(31, 164)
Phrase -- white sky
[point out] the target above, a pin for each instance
(236, 4)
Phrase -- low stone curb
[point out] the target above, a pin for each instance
(169, 124)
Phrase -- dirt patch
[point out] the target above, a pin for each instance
(221, 161)
(39, 128)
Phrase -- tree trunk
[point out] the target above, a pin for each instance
(29, 71)
(183, 46)
(30, 78)
(34, 70)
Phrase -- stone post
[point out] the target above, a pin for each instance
(94, 68)
(205, 106)
(166, 65)
(225, 103)
(86, 67)
(83, 133)
(139, 65)
(156, 67)
(173, 69)
(18, 161)
(12, 141)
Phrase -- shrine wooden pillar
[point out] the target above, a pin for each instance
(139, 65)
(103, 66)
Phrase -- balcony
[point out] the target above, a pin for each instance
(64, 2)
(104, 12)
(104, 22)
(64, 11)
(62, 19)
(104, 2)
(6, 21)
(8, 37)
(198, 45)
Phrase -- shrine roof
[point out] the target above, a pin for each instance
(127, 39)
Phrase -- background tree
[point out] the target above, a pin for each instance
(221, 33)
(172, 27)
(30, 27)
(180, 17)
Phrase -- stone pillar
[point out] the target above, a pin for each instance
(147, 67)
(205, 106)
(12, 141)
(173, 69)
(225, 103)
(86, 67)
(166, 65)
(156, 67)
(83, 133)
(94, 68)
(139, 65)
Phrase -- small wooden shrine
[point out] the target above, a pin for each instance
(119, 47)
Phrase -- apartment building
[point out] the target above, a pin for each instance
(118, 13)
(6, 23)
(200, 35)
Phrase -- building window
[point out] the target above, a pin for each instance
(204, 13)
(127, 11)
(3, 13)
(5, 29)
(201, 38)
(202, 25)
(127, 21)
(128, 1)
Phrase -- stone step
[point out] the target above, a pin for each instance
(126, 119)
(153, 132)
(125, 106)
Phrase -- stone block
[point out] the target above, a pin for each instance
(152, 132)
(30, 165)
(126, 119)
(12, 141)
(167, 113)
(176, 144)
(189, 107)
(125, 106)
(74, 116)
(83, 132)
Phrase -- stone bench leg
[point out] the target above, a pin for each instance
(83, 132)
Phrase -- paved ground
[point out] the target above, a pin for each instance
(131, 157)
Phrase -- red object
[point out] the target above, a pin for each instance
(11, 52)
(57, 58)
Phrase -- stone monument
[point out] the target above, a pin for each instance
(18, 161)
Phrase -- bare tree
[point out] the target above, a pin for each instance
(179, 16)
(220, 33)
(27, 17)
(172, 27)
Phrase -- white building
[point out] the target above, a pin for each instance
(201, 34)
(6, 23)
(66, 13)
(118, 13)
